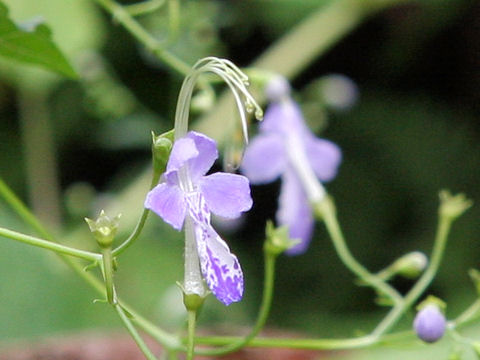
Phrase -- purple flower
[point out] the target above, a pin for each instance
(188, 192)
(430, 323)
(285, 147)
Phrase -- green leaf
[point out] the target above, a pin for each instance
(31, 43)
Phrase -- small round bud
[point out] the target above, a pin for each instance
(277, 89)
(411, 265)
(161, 147)
(430, 323)
(339, 91)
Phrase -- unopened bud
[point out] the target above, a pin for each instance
(430, 323)
(161, 147)
(411, 265)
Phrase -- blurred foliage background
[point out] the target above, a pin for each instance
(72, 147)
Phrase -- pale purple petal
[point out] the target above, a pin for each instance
(183, 150)
(324, 157)
(207, 154)
(220, 268)
(226, 195)
(295, 212)
(284, 117)
(168, 202)
(264, 159)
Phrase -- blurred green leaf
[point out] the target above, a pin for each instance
(31, 43)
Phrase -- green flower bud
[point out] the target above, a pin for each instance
(103, 229)
(411, 265)
(161, 147)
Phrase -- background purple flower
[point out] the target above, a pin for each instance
(187, 191)
(430, 323)
(284, 147)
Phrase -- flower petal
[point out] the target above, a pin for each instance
(183, 150)
(284, 117)
(226, 195)
(168, 202)
(294, 211)
(325, 157)
(264, 159)
(207, 154)
(220, 268)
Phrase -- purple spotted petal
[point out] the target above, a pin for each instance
(265, 158)
(168, 202)
(226, 195)
(324, 157)
(183, 150)
(294, 211)
(207, 154)
(220, 268)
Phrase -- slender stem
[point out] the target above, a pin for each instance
(133, 332)
(144, 7)
(398, 310)
(45, 244)
(313, 344)
(108, 275)
(192, 318)
(326, 210)
(123, 17)
(19, 207)
(268, 287)
(174, 18)
(141, 222)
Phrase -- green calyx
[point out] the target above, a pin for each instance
(277, 239)
(161, 147)
(453, 206)
(193, 302)
(104, 229)
(432, 300)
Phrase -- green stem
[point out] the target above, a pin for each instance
(45, 244)
(108, 275)
(268, 287)
(122, 16)
(398, 310)
(19, 207)
(312, 344)
(192, 319)
(144, 7)
(326, 211)
(141, 222)
(133, 332)
(174, 18)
